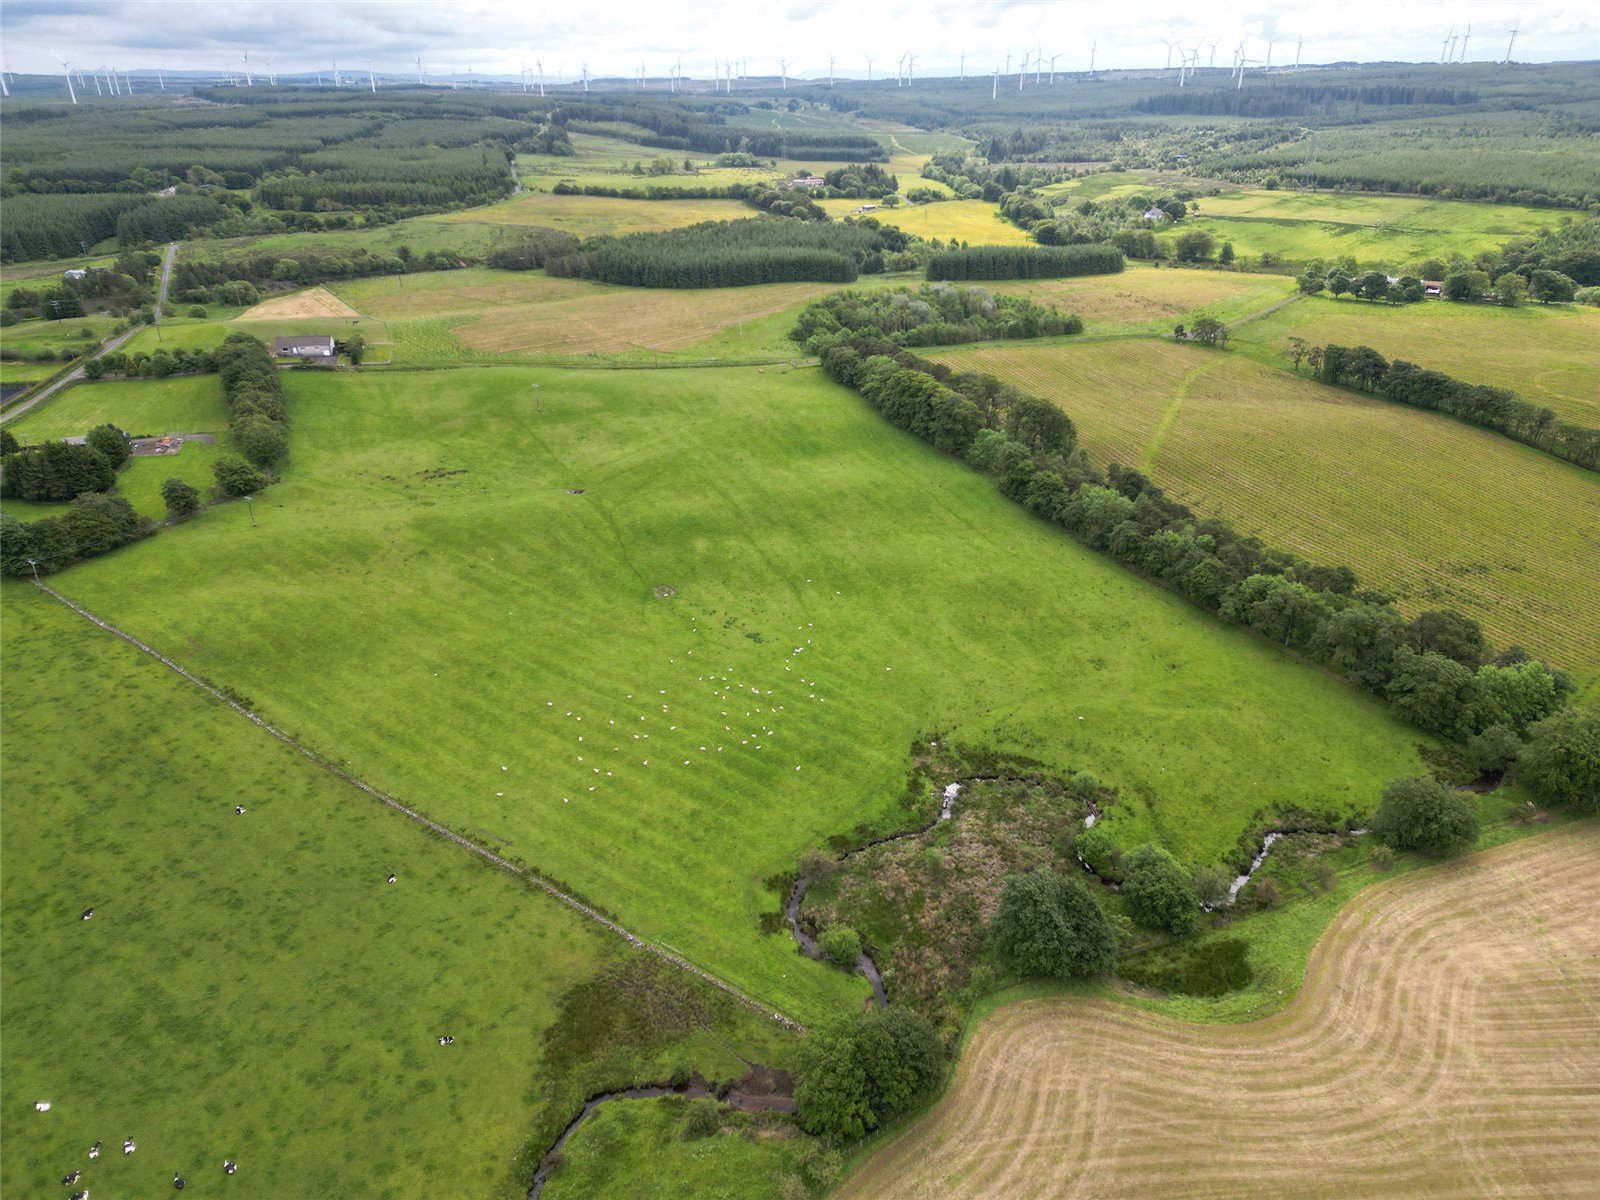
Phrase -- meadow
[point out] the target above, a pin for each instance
(1546, 354)
(249, 987)
(588, 216)
(837, 590)
(1145, 299)
(1379, 231)
(1432, 511)
(975, 221)
(1446, 1016)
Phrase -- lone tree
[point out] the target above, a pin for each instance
(1562, 759)
(181, 498)
(1048, 925)
(857, 1075)
(1422, 814)
(1159, 892)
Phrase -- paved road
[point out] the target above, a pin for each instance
(74, 375)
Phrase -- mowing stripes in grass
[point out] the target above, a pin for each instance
(840, 588)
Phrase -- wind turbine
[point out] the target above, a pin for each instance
(1170, 47)
(783, 68)
(1513, 41)
(1095, 46)
(994, 90)
(1008, 64)
(248, 81)
(1053, 58)
(1446, 46)
(1213, 61)
(272, 77)
(540, 65)
(1266, 67)
(1465, 38)
(1038, 65)
(336, 73)
(911, 66)
(419, 70)
(1297, 44)
(870, 61)
(371, 78)
(66, 69)
(585, 79)
(1022, 71)
(93, 75)
(900, 70)
(830, 70)
(4, 90)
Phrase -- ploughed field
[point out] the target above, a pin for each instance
(454, 590)
(1444, 1045)
(1433, 511)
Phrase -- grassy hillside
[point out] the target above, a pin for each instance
(1547, 354)
(1153, 299)
(839, 590)
(249, 986)
(1429, 509)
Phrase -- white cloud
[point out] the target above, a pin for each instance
(497, 36)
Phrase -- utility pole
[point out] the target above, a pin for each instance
(251, 502)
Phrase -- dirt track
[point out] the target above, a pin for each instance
(1447, 1043)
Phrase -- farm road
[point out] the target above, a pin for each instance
(482, 852)
(106, 347)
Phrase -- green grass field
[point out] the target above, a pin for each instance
(249, 987)
(868, 589)
(586, 216)
(1387, 231)
(642, 1149)
(1433, 511)
(187, 404)
(1547, 354)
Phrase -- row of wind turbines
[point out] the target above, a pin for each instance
(1449, 54)
(108, 80)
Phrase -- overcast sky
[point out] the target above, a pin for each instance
(612, 38)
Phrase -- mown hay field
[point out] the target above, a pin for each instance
(1443, 1046)
(1546, 354)
(868, 588)
(586, 216)
(1435, 512)
(1154, 299)
(975, 221)
(313, 302)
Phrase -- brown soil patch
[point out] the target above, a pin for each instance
(313, 302)
(1444, 1045)
(618, 319)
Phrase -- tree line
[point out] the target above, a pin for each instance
(1025, 262)
(1436, 670)
(1477, 404)
(735, 254)
(938, 314)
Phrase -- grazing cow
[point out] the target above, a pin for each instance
(177, 1182)
(229, 1166)
(87, 913)
(128, 1146)
(391, 877)
(69, 1180)
(94, 1150)
(238, 810)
